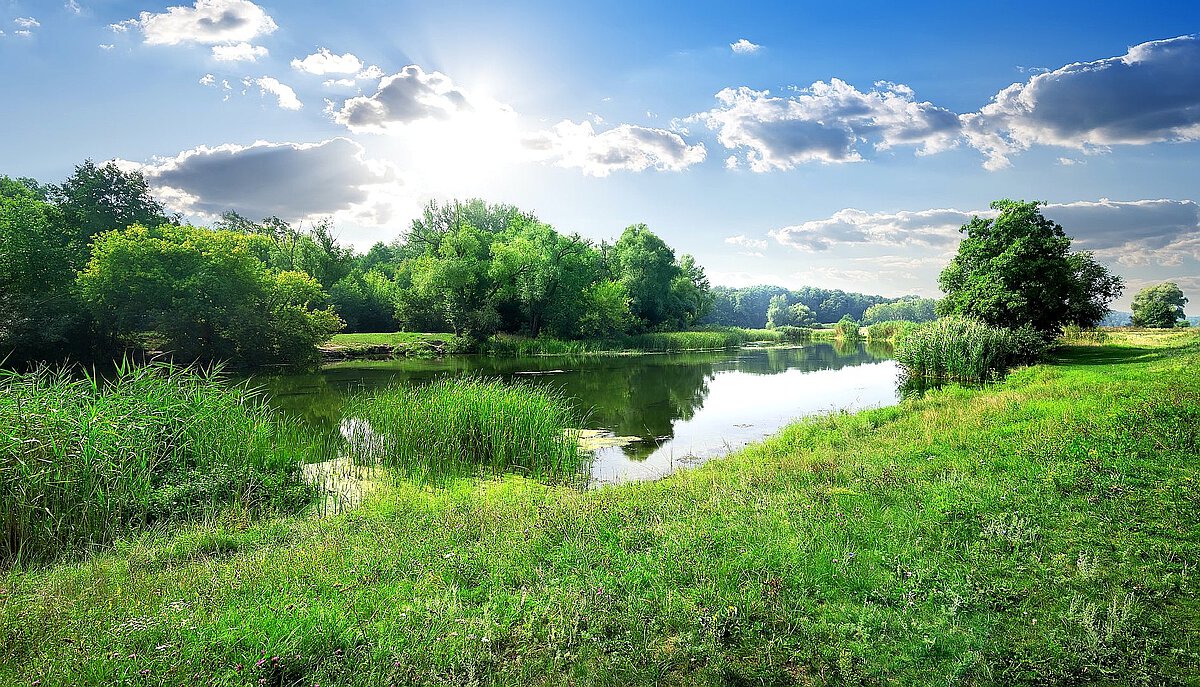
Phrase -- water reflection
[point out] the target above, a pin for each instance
(685, 408)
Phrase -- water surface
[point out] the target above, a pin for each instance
(684, 408)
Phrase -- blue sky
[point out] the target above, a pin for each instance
(790, 143)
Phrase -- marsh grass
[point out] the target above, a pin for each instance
(890, 330)
(847, 329)
(87, 459)
(960, 349)
(465, 427)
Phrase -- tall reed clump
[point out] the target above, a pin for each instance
(86, 459)
(464, 427)
(1078, 336)
(962, 349)
(794, 334)
(891, 330)
(846, 329)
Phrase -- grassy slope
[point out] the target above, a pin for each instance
(1041, 531)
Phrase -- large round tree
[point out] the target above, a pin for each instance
(1017, 269)
(1160, 305)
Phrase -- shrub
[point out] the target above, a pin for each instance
(891, 330)
(795, 334)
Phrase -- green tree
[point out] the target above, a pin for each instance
(1159, 306)
(645, 265)
(203, 295)
(40, 313)
(99, 198)
(1017, 270)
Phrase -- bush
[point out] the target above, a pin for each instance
(795, 334)
(86, 460)
(958, 348)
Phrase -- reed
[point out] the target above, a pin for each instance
(962, 349)
(847, 329)
(891, 330)
(88, 459)
(464, 427)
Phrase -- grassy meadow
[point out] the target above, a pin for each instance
(1041, 530)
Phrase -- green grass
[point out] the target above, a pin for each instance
(1039, 531)
(966, 350)
(462, 427)
(86, 460)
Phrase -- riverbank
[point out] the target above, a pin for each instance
(1041, 530)
(426, 345)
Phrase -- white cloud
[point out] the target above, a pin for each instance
(1068, 162)
(743, 241)
(73, 7)
(27, 22)
(325, 62)
(411, 95)
(208, 80)
(625, 147)
(293, 181)
(1135, 232)
(207, 22)
(850, 226)
(106, 46)
(238, 52)
(826, 122)
(283, 93)
(1150, 94)
(744, 47)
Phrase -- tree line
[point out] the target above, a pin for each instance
(757, 307)
(96, 265)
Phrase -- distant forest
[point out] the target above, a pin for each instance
(756, 307)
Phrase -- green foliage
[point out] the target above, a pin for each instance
(366, 301)
(781, 314)
(461, 427)
(40, 313)
(958, 348)
(846, 328)
(1159, 306)
(795, 334)
(100, 198)
(86, 460)
(1017, 270)
(204, 295)
(908, 309)
(650, 342)
(748, 307)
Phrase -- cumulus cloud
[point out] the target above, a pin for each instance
(325, 62)
(292, 181)
(284, 95)
(1148, 95)
(625, 147)
(27, 22)
(743, 241)
(411, 95)
(744, 47)
(207, 22)
(850, 226)
(73, 7)
(238, 52)
(1132, 232)
(826, 122)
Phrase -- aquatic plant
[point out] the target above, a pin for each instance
(462, 427)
